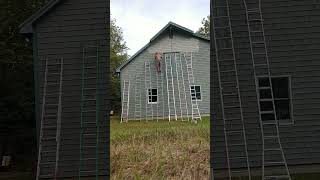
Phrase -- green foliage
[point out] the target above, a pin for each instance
(118, 54)
(205, 29)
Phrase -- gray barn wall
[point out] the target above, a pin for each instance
(293, 38)
(200, 49)
(60, 34)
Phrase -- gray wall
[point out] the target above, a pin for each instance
(180, 43)
(61, 34)
(292, 37)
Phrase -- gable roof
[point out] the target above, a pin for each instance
(26, 26)
(175, 26)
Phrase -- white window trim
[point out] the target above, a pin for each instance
(198, 100)
(148, 100)
(292, 121)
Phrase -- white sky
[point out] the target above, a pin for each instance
(140, 20)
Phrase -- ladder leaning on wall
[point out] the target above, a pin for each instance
(195, 112)
(50, 120)
(170, 87)
(137, 98)
(125, 101)
(90, 111)
(257, 41)
(230, 97)
(148, 90)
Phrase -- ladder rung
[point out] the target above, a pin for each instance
(237, 144)
(274, 162)
(256, 31)
(255, 20)
(89, 78)
(272, 149)
(89, 146)
(264, 88)
(270, 137)
(229, 94)
(89, 89)
(220, 7)
(265, 100)
(222, 27)
(264, 53)
(223, 49)
(257, 42)
(52, 104)
(89, 111)
(267, 112)
(238, 157)
(228, 71)
(260, 64)
(48, 163)
(234, 131)
(89, 99)
(276, 177)
(253, 10)
(52, 84)
(223, 38)
(269, 122)
(91, 67)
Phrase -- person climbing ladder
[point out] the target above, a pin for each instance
(158, 59)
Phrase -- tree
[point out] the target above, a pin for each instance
(118, 54)
(205, 29)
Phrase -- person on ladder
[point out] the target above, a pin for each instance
(158, 59)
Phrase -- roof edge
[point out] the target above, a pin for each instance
(26, 27)
(118, 70)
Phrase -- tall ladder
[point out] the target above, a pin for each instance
(148, 89)
(184, 92)
(170, 87)
(230, 97)
(90, 110)
(179, 83)
(160, 94)
(195, 112)
(50, 125)
(261, 67)
(125, 101)
(137, 98)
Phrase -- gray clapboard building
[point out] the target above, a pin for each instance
(265, 88)
(70, 50)
(180, 90)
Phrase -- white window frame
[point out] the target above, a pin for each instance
(152, 96)
(196, 92)
(291, 120)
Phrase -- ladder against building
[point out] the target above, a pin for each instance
(273, 154)
(230, 98)
(137, 98)
(50, 124)
(182, 104)
(160, 97)
(195, 112)
(170, 87)
(148, 91)
(90, 110)
(125, 101)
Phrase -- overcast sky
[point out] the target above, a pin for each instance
(140, 20)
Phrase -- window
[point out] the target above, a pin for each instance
(281, 88)
(153, 96)
(195, 93)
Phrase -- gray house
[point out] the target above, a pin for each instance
(265, 88)
(180, 90)
(70, 50)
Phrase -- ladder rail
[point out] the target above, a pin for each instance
(59, 120)
(173, 94)
(150, 85)
(42, 118)
(169, 116)
(271, 89)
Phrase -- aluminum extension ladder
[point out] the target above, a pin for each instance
(261, 67)
(50, 120)
(90, 110)
(195, 112)
(137, 98)
(170, 87)
(232, 115)
(148, 90)
(125, 101)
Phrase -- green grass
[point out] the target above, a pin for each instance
(160, 150)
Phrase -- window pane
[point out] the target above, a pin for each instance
(282, 109)
(266, 106)
(280, 87)
(154, 99)
(264, 82)
(154, 92)
(197, 89)
(150, 99)
(265, 93)
(198, 95)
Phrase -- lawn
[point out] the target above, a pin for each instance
(159, 150)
